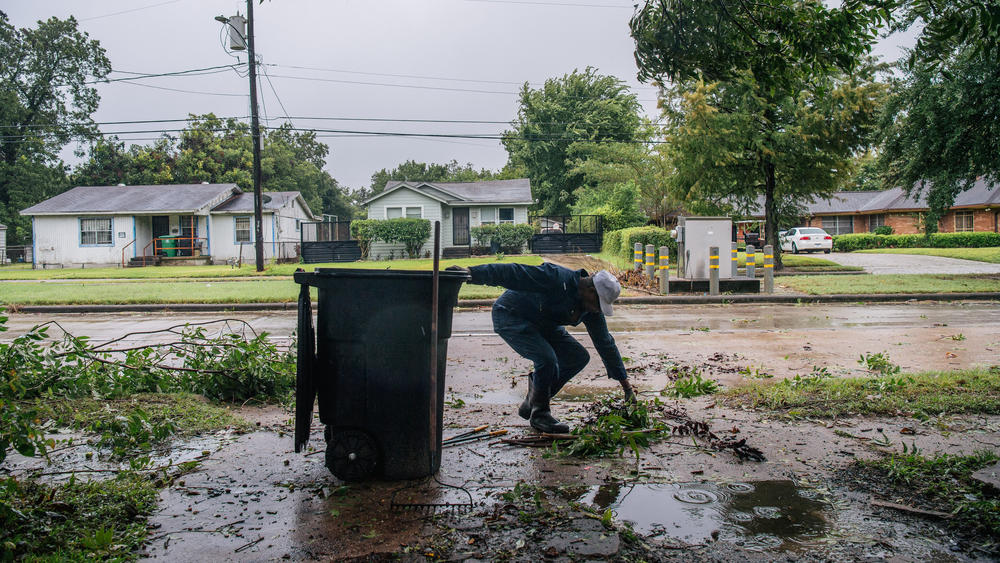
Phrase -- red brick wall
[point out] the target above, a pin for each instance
(982, 221)
(904, 223)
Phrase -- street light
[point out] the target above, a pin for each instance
(236, 41)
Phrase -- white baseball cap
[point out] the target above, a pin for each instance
(608, 289)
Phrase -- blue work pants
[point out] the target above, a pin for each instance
(557, 355)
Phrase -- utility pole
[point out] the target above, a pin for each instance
(258, 198)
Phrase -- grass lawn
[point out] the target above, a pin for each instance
(215, 291)
(19, 272)
(975, 391)
(989, 254)
(896, 283)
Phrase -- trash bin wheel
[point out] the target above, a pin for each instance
(351, 455)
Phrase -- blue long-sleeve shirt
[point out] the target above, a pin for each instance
(548, 296)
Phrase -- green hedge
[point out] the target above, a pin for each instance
(622, 242)
(411, 233)
(865, 241)
(509, 236)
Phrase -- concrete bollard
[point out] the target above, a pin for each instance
(751, 255)
(735, 260)
(768, 269)
(637, 257)
(650, 262)
(664, 270)
(713, 270)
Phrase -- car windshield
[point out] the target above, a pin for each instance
(812, 232)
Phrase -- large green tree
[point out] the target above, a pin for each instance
(219, 151)
(46, 100)
(578, 107)
(759, 93)
(940, 131)
(414, 171)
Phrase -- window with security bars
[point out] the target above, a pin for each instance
(838, 224)
(95, 231)
(963, 222)
(506, 214)
(875, 221)
(242, 226)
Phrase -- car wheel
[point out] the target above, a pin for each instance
(827, 251)
(795, 249)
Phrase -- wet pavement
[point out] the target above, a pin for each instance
(253, 498)
(911, 264)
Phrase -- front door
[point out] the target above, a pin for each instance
(189, 234)
(161, 228)
(460, 226)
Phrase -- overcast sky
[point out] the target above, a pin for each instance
(368, 59)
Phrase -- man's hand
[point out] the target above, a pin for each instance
(629, 392)
(457, 269)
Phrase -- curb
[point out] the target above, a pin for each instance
(469, 303)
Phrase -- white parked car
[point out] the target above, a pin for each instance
(805, 239)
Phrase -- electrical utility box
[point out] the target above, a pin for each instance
(698, 234)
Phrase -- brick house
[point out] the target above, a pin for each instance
(976, 209)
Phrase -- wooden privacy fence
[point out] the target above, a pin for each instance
(564, 234)
(328, 241)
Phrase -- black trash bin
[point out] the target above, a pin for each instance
(370, 369)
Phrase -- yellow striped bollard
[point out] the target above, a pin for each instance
(751, 261)
(650, 262)
(735, 260)
(664, 270)
(713, 270)
(637, 257)
(768, 269)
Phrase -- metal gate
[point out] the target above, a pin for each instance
(567, 234)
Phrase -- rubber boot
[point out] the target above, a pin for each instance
(524, 411)
(541, 416)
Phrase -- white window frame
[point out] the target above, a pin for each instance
(97, 232)
(875, 221)
(972, 221)
(403, 210)
(482, 215)
(838, 224)
(236, 229)
(513, 215)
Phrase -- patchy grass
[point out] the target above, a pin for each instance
(942, 483)
(989, 254)
(894, 283)
(215, 291)
(76, 521)
(190, 414)
(212, 272)
(975, 391)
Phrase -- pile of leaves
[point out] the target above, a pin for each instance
(613, 425)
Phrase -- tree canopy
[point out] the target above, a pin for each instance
(579, 107)
(219, 151)
(46, 99)
(771, 99)
(414, 171)
(940, 130)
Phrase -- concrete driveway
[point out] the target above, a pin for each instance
(911, 264)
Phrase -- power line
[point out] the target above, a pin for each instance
(418, 87)
(129, 11)
(184, 91)
(568, 5)
(191, 72)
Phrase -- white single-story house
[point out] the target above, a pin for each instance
(190, 223)
(3, 244)
(458, 205)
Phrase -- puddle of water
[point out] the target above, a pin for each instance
(760, 516)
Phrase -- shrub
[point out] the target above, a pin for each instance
(622, 242)
(512, 238)
(483, 235)
(411, 233)
(865, 241)
(883, 230)
(618, 204)
(364, 231)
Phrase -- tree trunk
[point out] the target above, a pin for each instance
(770, 214)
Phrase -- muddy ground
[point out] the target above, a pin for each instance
(253, 498)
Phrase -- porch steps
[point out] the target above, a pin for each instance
(140, 261)
(456, 252)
